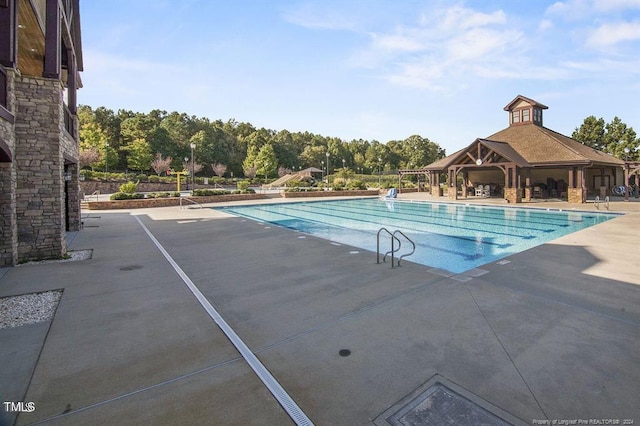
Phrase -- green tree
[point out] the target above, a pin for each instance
(286, 150)
(140, 126)
(619, 137)
(108, 158)
(266, 161)
(376, 156)
(313, 156)
(614, 137)
(139, 155)
(591, 132)
(250, 160)
(417, 152)
(160, 142)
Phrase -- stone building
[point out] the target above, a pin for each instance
(40, 61)
(525, 161)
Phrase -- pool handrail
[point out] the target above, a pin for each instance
(413, 250)
(378, 244)
(393, 250)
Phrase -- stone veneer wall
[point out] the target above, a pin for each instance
(69, 155)
(513, 195)
(170, 201)
(39, 169)
(8, 226)
(317, 194)
(577, 195)
(452, 192)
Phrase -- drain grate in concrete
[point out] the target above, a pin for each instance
(435, 403)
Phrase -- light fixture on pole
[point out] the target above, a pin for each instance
(106, 158)
(328, 166)
(193, 182)
(344, 172)
(186, 169)
(379, 182)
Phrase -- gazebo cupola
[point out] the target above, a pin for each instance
(523, 110)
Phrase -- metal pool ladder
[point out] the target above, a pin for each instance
(597, 202)
(394, 250)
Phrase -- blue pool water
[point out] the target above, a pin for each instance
(454, 237)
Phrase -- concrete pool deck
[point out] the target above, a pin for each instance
(552, 335)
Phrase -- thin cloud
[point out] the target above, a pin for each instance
(459, 18)
(397, 42)
(545, 25)
(612, 33)
(610, 5)
(574, 10)
(314, 17)
(442, 49)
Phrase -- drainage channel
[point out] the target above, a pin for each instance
(285, 400)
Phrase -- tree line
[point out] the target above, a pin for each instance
(134, 141)
(158, 140)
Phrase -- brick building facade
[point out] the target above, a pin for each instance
(40, 61)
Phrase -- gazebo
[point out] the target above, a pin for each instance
(524, 161)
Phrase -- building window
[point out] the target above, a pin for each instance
(515, 116)
(537, 116)
(526, 115)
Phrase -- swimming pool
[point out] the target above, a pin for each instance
(453, 237)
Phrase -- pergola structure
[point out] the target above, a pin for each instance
(525, 161)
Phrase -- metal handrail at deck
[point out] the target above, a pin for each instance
(191, 201)
(393, 250)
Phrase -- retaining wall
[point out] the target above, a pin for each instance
(169, 201)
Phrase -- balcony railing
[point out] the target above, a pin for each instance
(68, 121)
(3, 88)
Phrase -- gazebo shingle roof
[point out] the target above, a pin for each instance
(539, 145)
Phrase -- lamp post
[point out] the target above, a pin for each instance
(626, 174)
(193, 182)
(379, 182)
(322, 170)
(328, 166)
(106, 158)
(186, 180)
(344, 172)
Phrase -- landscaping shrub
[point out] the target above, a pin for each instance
(243, 185)
(293, 183)
(246, 191)
(126, 196)
(158, 195)
(205, 192)
(129, 187)
(356, 185)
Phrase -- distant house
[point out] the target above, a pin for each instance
(524, 161)
(40, 61)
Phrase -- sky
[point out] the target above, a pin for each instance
(371, 69)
